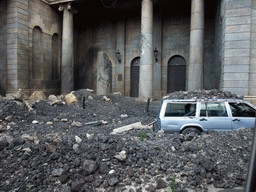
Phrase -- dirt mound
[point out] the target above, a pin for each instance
(63, 147)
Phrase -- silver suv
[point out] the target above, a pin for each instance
(196, 116)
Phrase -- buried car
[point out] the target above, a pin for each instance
(195, 115)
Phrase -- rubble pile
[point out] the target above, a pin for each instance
(203, 94)
(52, 146)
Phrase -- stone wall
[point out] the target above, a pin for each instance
(17, 45)
(176, 33)
(132, 48)
(171, 38)
(218, 43)
(3, 46)
(252, 69)
(236, 46)
(49, 21)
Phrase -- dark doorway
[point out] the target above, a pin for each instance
(176, 77)
(135, 77)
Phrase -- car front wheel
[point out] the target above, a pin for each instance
(191, 131)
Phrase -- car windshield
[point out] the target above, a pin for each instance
(213, 110)
(180, 109)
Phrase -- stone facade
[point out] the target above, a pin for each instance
(32, 56)
(3, 46)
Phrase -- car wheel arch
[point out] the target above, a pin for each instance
(198, 127)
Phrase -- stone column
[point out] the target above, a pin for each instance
(146, 58)
(196, 53)
(67, 66)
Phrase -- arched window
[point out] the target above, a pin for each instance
(135, 77)
(37, 54)
(176, 77)
(55, 57)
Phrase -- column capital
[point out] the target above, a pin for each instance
(67, 6)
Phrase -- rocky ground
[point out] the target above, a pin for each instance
(58, 147)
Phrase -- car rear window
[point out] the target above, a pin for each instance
(213, 110)
(180, 109)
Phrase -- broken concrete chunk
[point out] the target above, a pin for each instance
(27, 137)
(121, 156)
(76, 124)
(89, 90)
(137, 125)
(104, 122)
(89, 136)
(52, 98)
(90, 97)
(55, 100)
(123, 115)
(38, 96)
(9, 118)
(78, 139)
(126, 128)
(35, 122)
(105, 98)
(71, 99)
(20, 95)
(64, 120)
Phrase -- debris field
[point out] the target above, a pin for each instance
(47, 145)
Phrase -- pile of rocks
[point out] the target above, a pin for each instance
(203, 94)
(59, 147)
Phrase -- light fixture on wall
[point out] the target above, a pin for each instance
(156, 54)
(118, 56)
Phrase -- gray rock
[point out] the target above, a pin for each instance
(3, 143)
(151, 188)
(57, 172)
(130, 172)
(90, 166)
(55, 155)
(103, 168)
(113, 181)
(77, 162)
(160, 184)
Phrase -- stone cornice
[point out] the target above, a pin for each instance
(53, 2)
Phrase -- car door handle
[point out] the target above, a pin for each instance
(203, 119)
(235, 120)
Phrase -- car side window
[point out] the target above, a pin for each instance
(180, 109)
(213, 109)
(242, 110)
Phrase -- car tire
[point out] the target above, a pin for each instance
(191, 130)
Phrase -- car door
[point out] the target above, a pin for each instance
(214, 116)
(243, 115)
(175, 115)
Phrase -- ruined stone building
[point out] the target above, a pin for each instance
(140, 48)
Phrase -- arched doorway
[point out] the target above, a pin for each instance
(176, 77)
(135, 77)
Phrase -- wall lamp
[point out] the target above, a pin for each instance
(156, 54)
(118, 56)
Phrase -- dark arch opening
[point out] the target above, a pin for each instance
(135, 77)
(176, 76)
